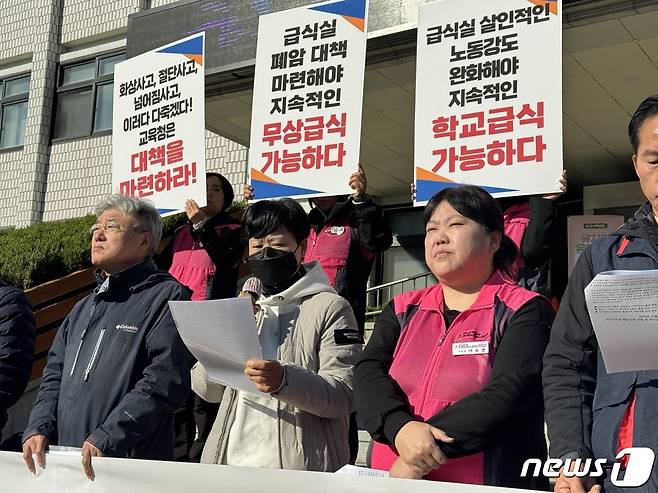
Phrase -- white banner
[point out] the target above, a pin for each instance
(308, 93)
(63, 474)
(489, 97)
(158, 131)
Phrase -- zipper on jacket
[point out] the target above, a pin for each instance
(448, 327)
(77, 353)
(82, 338)
(444, 335)
(223, 436)
(94, 354)
(446, 330)
(437, 354)
(278, 425)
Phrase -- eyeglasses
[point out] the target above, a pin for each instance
(110, 227)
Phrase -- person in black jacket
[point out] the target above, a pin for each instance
(17, 332)
(117, 369)
(592, 414)
(530, 222)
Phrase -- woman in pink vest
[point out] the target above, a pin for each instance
(449, 385)
(206, 252)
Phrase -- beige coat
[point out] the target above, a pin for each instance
(318, 346)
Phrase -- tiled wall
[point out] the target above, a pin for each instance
(82, 22)
(10, 176)
(18, 25)
(44, 182)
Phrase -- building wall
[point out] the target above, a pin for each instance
(160, 3)
(10, 177)
(18, 26)
(46, 50)
(51, 181)
(81, 22)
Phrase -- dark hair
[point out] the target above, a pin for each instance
(647, 109)
(227, 188)
(261, 218)
(476, 204)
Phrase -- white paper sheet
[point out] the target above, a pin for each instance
(623, 307)
(222, 335)
(363, 472)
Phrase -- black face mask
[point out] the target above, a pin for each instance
(273, 266)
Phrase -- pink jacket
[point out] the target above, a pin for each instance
(516, 220)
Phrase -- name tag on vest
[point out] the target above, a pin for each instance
(466, 348)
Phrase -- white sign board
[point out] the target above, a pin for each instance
(158, 131)
(308, 93)
(489, 97)
(583, 230)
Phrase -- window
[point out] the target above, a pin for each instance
(13, 110)
(84, 97)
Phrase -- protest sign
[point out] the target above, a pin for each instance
(158, 132)
(308, 92)
(489, 97)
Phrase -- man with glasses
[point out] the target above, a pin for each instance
(117, 369)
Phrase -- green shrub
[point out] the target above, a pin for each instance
(236, 206)
(46, 251)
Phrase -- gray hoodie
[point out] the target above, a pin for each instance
(318, 343)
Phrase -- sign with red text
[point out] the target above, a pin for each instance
(158, 131)
(308, 93)
(489, 97)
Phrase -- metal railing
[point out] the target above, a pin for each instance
(379, 296)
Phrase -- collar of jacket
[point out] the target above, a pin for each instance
(129, 278)
(433, 299)
(641, 225)
(340, 209)
(338, 212)
(313, 281)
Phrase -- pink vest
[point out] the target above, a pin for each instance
(432, 377)
(516, 220)
(191, 264)
(331, 247)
